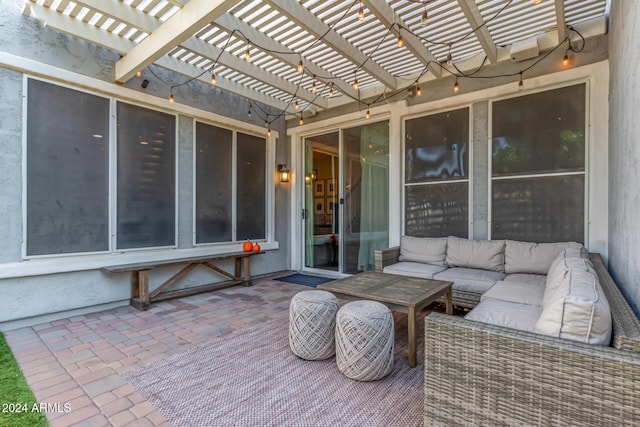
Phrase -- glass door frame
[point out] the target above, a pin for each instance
(302, 203)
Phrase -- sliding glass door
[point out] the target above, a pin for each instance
(346, 198)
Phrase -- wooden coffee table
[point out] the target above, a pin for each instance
(399, 293)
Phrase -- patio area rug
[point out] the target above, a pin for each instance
(304, 279)
(251, 378)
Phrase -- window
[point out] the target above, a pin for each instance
(215, 195)
(437, 175)
(538, 166)
(67, 153)
(146, 178)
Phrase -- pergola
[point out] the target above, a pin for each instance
(303, 57)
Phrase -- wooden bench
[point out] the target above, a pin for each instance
(141, 298)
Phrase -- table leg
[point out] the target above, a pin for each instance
(411, 330)
(449, 304)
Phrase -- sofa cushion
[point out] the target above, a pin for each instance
(508, 314)
(430, 250)
(566, 260)
(519, 292)
(578, 310)
(470, 279)
(484, 254)
(529, 279)
(527, 257)
(414, 269)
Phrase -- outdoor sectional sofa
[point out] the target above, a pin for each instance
(498, 366)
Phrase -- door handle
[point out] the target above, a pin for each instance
(305, 213)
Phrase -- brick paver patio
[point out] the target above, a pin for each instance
(79, 361)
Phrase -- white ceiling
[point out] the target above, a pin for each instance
(334, 45)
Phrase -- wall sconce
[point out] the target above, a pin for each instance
(284, 172)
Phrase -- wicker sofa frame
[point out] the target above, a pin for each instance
(478, 374)
(389, 256)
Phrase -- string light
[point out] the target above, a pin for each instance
(301, 120)
(520, 83)
(139, 74)
(269, 131)
(296, 105)
(367, 115)
(249, 113)
(424, 17)
(413, 89)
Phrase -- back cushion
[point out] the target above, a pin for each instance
(484, 254)
(429, 250)
(570, 258)
(528, 257)
(577, 310)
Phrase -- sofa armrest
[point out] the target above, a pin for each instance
(385, 257)
(480, 374)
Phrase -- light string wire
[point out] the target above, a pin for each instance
(385, 96)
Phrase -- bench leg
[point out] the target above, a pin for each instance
(140, 289)
(246, 279)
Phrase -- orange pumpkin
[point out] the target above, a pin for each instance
(256, 248)
(247, 246)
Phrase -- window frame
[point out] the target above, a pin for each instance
(90, 260)
(269, 184)
(587, 151)
(468, 180)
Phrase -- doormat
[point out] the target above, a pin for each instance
(304, 279)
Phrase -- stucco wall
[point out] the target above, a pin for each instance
(56, 295)
(624, 148)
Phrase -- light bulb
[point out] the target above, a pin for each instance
(367, 115)
(213, 79)
(247, 54)
(361, 13)
(269, 131)
(520, 83)
(355, 84)
(171, 98)
(296, 105)
(301, 120)
(400, 41)
(456, 87)
(331, 91)
(300, 66)
(565, 60)
(423, 18)
(537, 1)
(418, 91)
(249, 113)
(313, 87)
(139, 74)
(449, 59)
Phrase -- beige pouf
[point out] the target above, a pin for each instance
(364, 340)
(312, 323)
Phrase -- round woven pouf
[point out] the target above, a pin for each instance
(364, 340)
(312, 324)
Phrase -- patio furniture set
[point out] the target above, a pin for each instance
(550, 339)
